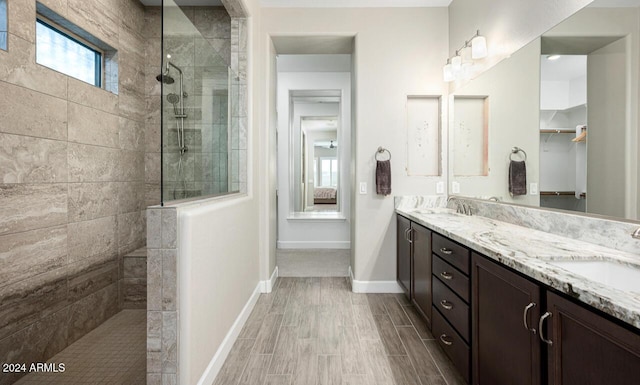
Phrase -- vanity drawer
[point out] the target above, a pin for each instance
(455, 254)
(452, 344)
(451, 277)
(451, 307)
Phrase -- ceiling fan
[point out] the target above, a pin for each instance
(331, 144)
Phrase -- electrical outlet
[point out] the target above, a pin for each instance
(363, 188)
(533, 189)
(440, 188)
(455, 187)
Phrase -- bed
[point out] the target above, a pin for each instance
(324, 195)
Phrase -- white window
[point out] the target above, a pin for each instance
(326, 172)
(3, 24)
(59, 50)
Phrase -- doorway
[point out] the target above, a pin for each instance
(314, 157)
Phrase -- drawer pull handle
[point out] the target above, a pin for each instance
(446, 304)
(446, 340)
(444, 250)
(540, 325)
(447, 276)
(525, 318)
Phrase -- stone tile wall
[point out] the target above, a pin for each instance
(72, 181)
(162, 296)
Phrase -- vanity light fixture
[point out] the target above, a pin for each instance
(456, 64)
(478, 46)
(447, 72)
(459, 66)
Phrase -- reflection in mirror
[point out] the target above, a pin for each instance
(315, 152)
(570, 100)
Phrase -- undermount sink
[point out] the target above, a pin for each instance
(616, 275)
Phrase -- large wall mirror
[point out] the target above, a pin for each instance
(568, 103)
(315, 150)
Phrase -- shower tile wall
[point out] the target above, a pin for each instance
(204, 57)
(72, 175)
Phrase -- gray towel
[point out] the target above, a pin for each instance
(383, 177)
(517, 178)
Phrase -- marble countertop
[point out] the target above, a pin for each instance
(530, 252)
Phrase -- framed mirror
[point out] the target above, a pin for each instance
(315, 151)
(569, 101)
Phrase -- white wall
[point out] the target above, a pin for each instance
(218, 260)
(508, 25)
(294, 232)
(398, 52)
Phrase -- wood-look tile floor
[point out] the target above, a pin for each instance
(315, 331)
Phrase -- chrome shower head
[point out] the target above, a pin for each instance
(165, 78)
(173, 98)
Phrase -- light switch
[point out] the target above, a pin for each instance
(363, 188)
(440, 188)
(455, 187)
(533, 189)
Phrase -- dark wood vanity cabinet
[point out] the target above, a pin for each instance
(403, 262)
(451, 312)
(414, 264)
(506, 309)
(588, 349)
(499, 327)
(421, 240)
(517, 323)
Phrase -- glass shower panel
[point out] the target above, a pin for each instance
(196, 100)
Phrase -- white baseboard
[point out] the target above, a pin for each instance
(374, 286)
(314, 245)
(218, 359)
(269, 284)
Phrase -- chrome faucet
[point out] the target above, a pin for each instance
(636, 234)
(462, 208)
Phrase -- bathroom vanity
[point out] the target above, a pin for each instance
(513, 305)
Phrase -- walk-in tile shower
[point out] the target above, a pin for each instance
(200, 131)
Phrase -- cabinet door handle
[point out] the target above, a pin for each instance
(406, 236)
(444, 250)
(447, 276)
(409, 233)
(446, 304)
(540, 325)
(446, 340)
(525, 318)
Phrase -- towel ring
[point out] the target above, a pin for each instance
(382, 150)
(516, 150)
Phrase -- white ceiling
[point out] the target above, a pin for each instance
(566, 68)
(184, 3)
(353, 3)
(614, 3)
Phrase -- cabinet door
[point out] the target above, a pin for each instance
(403, 273)
(421, 237)
(588, 349)
(506, 307)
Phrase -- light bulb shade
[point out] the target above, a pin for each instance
(479, 47)
(465, 53)
(447, 73)
(456, 63)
